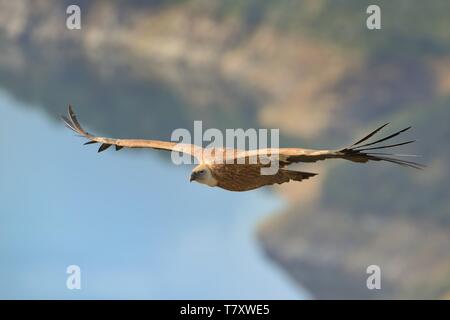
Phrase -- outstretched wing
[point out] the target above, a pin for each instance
(72, 123)
(357, 152)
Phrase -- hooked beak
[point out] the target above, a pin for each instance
(193, 176)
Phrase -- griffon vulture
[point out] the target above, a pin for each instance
(246, 175)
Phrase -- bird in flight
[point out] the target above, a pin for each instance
(246, 175)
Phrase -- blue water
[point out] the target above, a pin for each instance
(130, 219)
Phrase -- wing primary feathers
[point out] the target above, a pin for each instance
(68, 126)
(369, 135)
(400, 162)
(68, 123)
(72, 123)
(384, 139)
(357, 152)
(89, 142)
(384, 147)
(74, 120)
(394, 154)
(103, 147)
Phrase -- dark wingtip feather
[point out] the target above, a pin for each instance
(395, 154)
(74, 120)
(118, 147)
(370, 134)
(68, 123)
(103, 147)
(387, 146)
(89, 142)
(70, 111)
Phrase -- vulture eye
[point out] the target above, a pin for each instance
(201, 172)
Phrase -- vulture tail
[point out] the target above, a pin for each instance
(297, 175)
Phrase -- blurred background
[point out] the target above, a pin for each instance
(140, 69)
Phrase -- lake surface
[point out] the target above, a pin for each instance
(131, 220)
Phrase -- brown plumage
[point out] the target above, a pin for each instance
(244, 177)
(242, 174)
